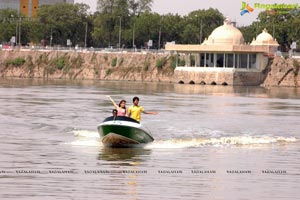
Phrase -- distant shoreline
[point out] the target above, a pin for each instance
(127, 66)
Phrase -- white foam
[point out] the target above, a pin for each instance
(221, 141)
(89, 143)
(86, 134)
(91, 138)
(86, 138)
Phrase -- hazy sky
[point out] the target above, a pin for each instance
(228, 8)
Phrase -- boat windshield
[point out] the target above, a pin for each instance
(121, 118)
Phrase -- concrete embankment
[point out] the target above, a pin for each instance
(130, 66)
(86, 65)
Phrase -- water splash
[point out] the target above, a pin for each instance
(92, 138)
(86, 138)
(86, 134)
(221, 141)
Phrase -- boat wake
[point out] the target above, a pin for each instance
(91, 138)
(86, 138)
(86, 134)
(222, 141)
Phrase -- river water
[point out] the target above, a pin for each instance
(211, 142)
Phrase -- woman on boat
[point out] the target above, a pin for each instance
(121, 108)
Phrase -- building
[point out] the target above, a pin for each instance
(224, 58)
(29, 7)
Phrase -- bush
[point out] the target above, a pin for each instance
(160, 63)
(114, 62)
(108, 72)
(173, 63)
(17, 62)
(60, 63)
(181, 62)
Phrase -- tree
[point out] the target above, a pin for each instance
(283, 25)
(250, 32)
(8, 24)
(147, 28)
(200, 23)
(171, 27)
(113, 13)
(63, 21)
(136, 7)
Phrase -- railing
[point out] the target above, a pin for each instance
(82, 49)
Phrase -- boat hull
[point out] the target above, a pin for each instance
(123, 132)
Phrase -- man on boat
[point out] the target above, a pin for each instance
(135, 110)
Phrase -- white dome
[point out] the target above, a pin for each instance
(264, 38)
(226, 34)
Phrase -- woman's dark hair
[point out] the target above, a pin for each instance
(122, 102)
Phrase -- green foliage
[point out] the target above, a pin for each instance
(60, 63)
(200, 23)
(160, 63)
(173, 62)
(63, 21)
(250, 32)
(181, 62)
(68, 21)
(108, 72)
(17, 62)
(114, 61)
(284, 26)
(8, 21)
(42, 59)
(110, 13)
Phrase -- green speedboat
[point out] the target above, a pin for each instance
(123, 132)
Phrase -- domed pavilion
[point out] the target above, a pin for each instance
(224, 58)
(225, 35)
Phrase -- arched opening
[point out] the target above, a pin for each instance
(181, 82)
(192, 82)
(202, 83)
(213, 83)
(224, 83)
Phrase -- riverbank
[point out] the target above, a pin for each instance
(133, 66)
(283, 72)
(128, 66)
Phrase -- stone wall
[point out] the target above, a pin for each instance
(88, 65)
(203, 77)
(229, 77)
(283, 72)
